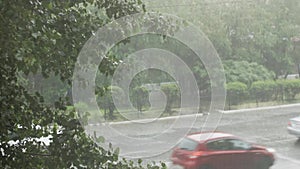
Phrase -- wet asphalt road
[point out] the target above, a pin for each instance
(265, 127)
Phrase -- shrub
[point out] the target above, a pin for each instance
(263, 90)
(289, 88)
(236, 91)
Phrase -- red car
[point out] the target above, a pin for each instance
(216, 150)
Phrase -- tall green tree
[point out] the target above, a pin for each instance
(46, 36)
(255, 31)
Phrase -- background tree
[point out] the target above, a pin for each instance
(246, 72)
(172, 93)
(140, 97)
(106, 101)
(253, 31)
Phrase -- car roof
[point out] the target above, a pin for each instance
(204, 136)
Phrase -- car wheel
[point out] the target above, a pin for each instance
(263, 164)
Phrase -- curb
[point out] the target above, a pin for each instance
(258, 108)
(148, 120)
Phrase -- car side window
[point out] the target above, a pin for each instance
(218, 145)
(239, 144)
(188, 144)
(228, 144)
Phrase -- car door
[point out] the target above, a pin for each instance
(218, 154)
(241, 156)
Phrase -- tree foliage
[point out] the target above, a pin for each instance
(46, 36)
(253, 31)
(245, 72)
(172, 93)
(140, 97)
(106, 101)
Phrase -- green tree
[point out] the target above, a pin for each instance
(46, 36)
(106, 101)
(140, 97)
(246, 72)
(172, 93)
(51, 88)
(253, 31)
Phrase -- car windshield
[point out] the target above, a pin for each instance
(188, 144)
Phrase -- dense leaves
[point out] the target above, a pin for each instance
(245, 72)
(257, 40)
(253, 31)
(46, 36)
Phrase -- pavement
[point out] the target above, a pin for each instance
(154, 141)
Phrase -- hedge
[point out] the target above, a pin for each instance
(263, 91)
(236, 92)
